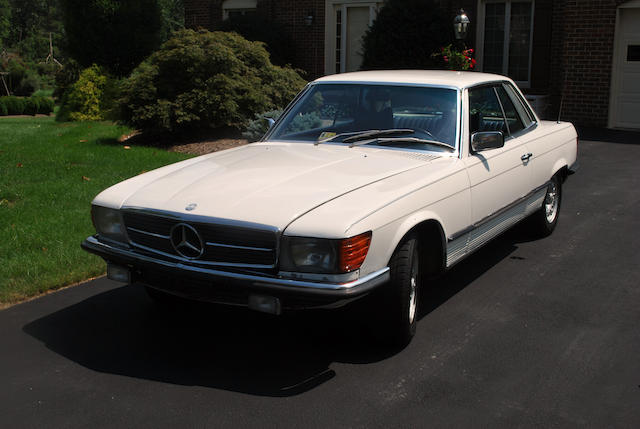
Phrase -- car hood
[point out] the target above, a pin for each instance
(264, 183)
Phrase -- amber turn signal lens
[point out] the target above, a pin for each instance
(352, 252)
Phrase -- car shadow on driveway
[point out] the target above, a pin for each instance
(122, 332)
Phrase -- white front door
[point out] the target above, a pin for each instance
(625, 90)
(346, 23)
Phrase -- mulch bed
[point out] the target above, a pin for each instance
(196, 144)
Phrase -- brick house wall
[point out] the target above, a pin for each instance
(582, 58)
(307, 41)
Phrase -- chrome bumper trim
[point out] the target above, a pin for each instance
(353, 288)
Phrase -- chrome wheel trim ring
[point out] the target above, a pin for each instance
(413, 298)
(551, 202)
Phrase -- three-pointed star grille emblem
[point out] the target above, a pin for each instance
(186, 241)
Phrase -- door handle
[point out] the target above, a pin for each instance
(526, 156)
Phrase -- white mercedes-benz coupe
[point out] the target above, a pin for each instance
(367, 184)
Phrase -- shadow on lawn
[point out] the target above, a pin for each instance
(121, 332)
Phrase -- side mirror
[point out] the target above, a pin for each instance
(486, 140)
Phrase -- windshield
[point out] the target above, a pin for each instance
(409, 116)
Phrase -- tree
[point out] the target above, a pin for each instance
(5, 21)
(172, 17)
(405, 34)
(114, 34)
(30, 25)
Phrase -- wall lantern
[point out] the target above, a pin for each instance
(308, 20)
(461, 25)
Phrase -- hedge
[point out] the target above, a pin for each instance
(12, 105)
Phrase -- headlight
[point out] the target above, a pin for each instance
(108, 223)
(320, 255)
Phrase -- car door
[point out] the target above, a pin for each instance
(498, 177)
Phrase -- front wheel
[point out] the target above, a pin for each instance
(398, 306)
(545, 219)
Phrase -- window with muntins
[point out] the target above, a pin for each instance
(507, 37)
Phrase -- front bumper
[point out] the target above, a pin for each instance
(228, 287)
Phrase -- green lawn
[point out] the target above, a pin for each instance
(49, 173)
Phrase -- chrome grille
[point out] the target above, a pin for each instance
(224, 245)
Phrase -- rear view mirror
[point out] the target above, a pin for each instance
(486, 140)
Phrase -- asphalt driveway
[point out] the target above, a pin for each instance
(524, 333)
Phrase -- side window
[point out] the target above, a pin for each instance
(513, 119)
(485, 113)
(525, 115)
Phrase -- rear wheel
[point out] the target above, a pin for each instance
(545, 219)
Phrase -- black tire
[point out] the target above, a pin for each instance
(544, 220)
(398, 304)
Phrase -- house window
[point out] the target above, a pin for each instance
(233, 8)
(506, 37)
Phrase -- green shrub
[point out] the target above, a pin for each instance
(46, 106)
(82, 101)
(29, 84)
(3, 108)
(22, 79)
(15, 105)
(205, 79)
(260, 125)
(31, 106)
(425, 27)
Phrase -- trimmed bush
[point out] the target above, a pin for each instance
(46, 106)
(205, 79)
(25, 106)
(425, 28)
(31, 106)
(15, 105)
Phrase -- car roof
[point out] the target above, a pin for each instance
(455, 79)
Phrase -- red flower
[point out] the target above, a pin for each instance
(473, 61)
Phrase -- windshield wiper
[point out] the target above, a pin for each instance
(360, 135)
(392, 140)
